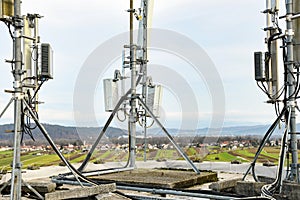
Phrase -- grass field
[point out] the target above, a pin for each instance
(37, 158)
(221, 157)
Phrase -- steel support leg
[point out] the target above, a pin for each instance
(111, 117)
(7, 106)
(170, 137)
(33, 190)
(16, 176)
(72, 169)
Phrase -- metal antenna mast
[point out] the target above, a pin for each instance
(133, 100)
(137, 103)
(266, 72)
(22, 84)
(291, 86)
(16, 178)
(144, 61)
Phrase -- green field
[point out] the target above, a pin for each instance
(221, 157)
(216, 154)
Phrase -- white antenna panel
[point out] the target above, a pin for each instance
(27, 51)
(111, 94)
(154, 98)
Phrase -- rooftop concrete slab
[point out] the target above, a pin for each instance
(159, 178)
(81, 192)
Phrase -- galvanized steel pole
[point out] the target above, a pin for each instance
(144, 68)
(133, 101)
(291, 101)
(16, 178)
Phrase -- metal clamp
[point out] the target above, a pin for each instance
(289, 32)
(291, 103)
(17, 84)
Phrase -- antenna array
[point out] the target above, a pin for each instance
(31, 67)
(284, 98)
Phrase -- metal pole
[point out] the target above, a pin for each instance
(36, 68)
(16, 178)
(6, 107)
(91, 151)
(291, 87)
(144, 67)
(176, 192)
(268, 31)
(170, 137)
(133, 101)
(296, 24)
(72, 169)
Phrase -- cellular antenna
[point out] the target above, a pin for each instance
(285, 98)
(31, 60)
(137, 107)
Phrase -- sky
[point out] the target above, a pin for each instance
(226, 32)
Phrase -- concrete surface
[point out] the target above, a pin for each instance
(224, 185)
(81, 192)
(225, 171)
(249, 188)
(159, 178)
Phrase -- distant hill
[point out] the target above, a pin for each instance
(255, 130)
(89, 134)
(61, 133)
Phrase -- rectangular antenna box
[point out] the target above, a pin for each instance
(111, 94)
(45, 62)
(259, 66)
(6, 8)
(154, 98)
